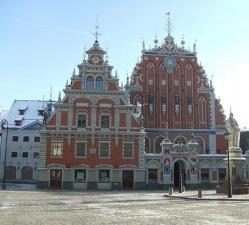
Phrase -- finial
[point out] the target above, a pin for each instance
(211, 80)
(194, 47)
(182, 42)
(73, 74)
(51, 88)
(59, 97)
(66, 84)
(84, 57)
(97, 34)
(116, 74)
(106, 56)
(169, 23)
(155, 41)
(143, 45)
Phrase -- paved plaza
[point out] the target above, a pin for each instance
(34, 207)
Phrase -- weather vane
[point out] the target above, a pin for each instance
(97, 34)
(169, 23)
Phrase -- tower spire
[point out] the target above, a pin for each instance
(169, 23)
(51, 88)
(97, 34)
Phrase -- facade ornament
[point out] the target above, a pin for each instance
(73, 74)
(182, 42)
(234, 130)
(59, 97)
(156, 41)
(194, 47)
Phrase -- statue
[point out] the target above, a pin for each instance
(233, 128)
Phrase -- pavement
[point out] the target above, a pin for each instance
(207, 195)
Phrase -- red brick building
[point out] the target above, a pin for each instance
(93, 139)
(178, 99)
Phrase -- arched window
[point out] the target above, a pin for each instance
(99, 84)
(158, 147)
(202, 105)
(147, 145)
(89, 84)
(200, 148)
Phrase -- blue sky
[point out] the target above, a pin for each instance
(42, 41)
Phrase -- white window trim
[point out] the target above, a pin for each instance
(82, 113)
(109, 144)
(51, 149)
(132, 148)
(75, 150)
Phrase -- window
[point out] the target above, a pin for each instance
(25, 154)
(152, 176)
(40, 112)
(128, 151)
(79, 176)
(104, 150)
(36, 139)
(26, 138)
(81, 121)
(13, 154)
(36, 155)
(222, 174)
(15, 138)
(104, 176)
(99, 84)
(89, 84)
(56, 149)
(205, 175)
(21, 111)
(18, 123)
(147, 145)
(105, 121)
(80, 149)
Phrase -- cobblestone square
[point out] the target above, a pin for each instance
(36, 207)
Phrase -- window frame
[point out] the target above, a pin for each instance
(80, 181)
(24, 139)
(12, 155)
(76, 149)
(109, 120)
(13, 137)
(109, 149)
(52, 150)
(24, 154)
(106, 179)
(35, 139)
(99, 83)
(77, 120)
(132, 150)
(88, 79)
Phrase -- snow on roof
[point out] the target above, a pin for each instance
(31, 113)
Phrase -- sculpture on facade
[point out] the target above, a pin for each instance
(234, 131)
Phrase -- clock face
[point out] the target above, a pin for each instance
(169, 63)
(95, 59)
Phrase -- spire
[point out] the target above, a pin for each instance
(194, 47)
(50, 98)
(156, 41)
(66, 84)
(182, 42)
(84, 57)
(169, 23)
(116, 74)
(59, 97)
(143, 45)
(97, 34)
(73, 74)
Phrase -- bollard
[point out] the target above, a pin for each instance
(199, 193)
(171, 191)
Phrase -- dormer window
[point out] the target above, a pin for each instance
(18, 120)
(40, 112)
(99, 84)
(90, 84)
(21, 111)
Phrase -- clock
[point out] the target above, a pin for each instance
(95, 59)
(169, 63)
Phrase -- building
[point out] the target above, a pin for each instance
(244, 141)
(178, 101)
(25, 119)
(93, 139)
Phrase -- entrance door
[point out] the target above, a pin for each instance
(177, 176)
(55, 179)
(127, 179)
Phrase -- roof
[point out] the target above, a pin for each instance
(30, 115)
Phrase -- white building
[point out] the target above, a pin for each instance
(25, 119)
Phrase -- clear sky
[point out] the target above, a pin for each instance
(41, 41)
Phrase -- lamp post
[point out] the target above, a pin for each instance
(229, 184)
(5, 123)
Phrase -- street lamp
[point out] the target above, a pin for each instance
(5, 123)
(229, 183)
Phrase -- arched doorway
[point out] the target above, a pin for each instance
(177, 175)
(27, 173)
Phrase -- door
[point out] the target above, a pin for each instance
(127, 179)
(55, 179)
